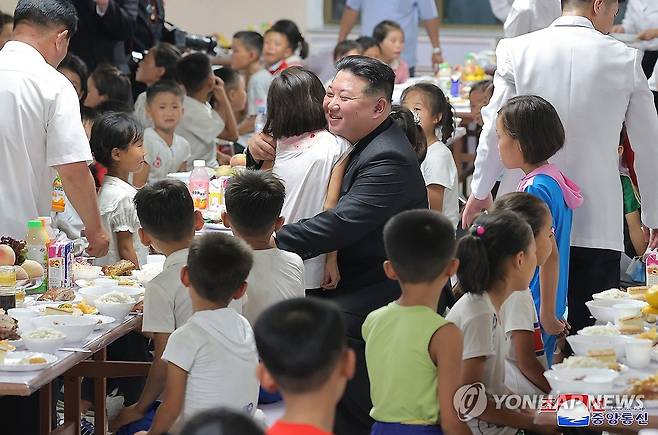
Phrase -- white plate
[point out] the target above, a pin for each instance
(16, 343)
(29, 301)
(105, 320)
(89, 283)
(215, 227)
(12, 361)
(38, 303)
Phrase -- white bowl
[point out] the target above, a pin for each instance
(90, 294)
(87, 273)
(118, 311)
(45, 345)
(603, 311)
(105, 282)
(24, 317)
(620, 295)
(580, 380)
(76, 328)
(581, 344)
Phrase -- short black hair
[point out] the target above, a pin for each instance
(113, 130)
(73, 63)
(295, 87)
(366, 42)
(166, 56)
(254, 200)
(87, 114)
(383, 28)
(300, 341)
(484, 86)
(295, 39)
(532, 209)
(493, 238)
(112, 83)
(6, 19)
(193, 71)
(419, 244)
(221, 421)
(113, 106)
(207, 252)
(166, 210)
(439, 106)
(229, 76)
(346, 46)
(164, 86)
(407, 122)
(47, 13)
(251, 40)
(380, 77)
(535, 123)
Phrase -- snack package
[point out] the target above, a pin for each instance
(652, 268)
(60, 265)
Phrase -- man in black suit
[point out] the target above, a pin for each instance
(105, 28)
(382, 179)
(150, 25)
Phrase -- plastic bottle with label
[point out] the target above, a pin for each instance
(445, 71)
(261, 116)
(199, 185)
(37, 247)
(58, 203)
(48, 226)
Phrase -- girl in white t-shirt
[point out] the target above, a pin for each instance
(309, 159)
(117, 143)
(526, 357)
(439, 170)
(497, 258)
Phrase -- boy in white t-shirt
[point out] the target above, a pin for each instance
(253, 212)
(202, 124)
(212, 359)
(166, 152)
(166, 213)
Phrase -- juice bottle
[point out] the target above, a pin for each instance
(48, 226)
(37, 247)
(199, 185)
(58, 204)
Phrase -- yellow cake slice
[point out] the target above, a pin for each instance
(607, 356)
(631, 325)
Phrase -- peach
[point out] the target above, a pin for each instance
(33, 269)
(7, 256)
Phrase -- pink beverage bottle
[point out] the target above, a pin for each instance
(200, 185)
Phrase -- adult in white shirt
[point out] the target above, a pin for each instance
(531, 15)
(641, 18)
(593, 94)
(40, 129)
(501, 8)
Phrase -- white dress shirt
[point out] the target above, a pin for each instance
(531, 15)
(501, 8)
(40, 128)
(642, 15)
(596, 83)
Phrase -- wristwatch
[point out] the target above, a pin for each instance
(437, 50)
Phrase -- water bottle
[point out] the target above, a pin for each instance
(199, 185)
(261, 116)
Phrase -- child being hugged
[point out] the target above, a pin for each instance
(117, 144)
(496, 258)
(413, 354)
(390, 38)
(283, 46)
(526, 358)
(439, 170)
(168, 219)
(166, 152)
(309, 160)
(212, 359)
(530, 132)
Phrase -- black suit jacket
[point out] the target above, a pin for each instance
(103, 39)
(148, 33)
(382, 179)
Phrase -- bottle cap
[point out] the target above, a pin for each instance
(47, 220)
(34, 224)
(199, 163)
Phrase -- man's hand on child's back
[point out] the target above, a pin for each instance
(127, 415)
(262, 146)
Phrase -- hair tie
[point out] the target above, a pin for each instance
(478, 231)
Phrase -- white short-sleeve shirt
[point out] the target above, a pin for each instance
(439, 168)
(140, 111)
(218, 351)
(40, 128)
(162, 158)
(259, 85)
(167, 303)
(304, 164)
(518, 313)
(118, 214)
(200, 126)
(275, 276)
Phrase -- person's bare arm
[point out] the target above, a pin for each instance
(81, 191)
(432, 27)
(223, 109)
(524, 347)
(172, 405)
(635, 231)
(435, 196)
(126, 247)
(548, 280)
(445, 349)
(247, 125)
(347, 22)
(331, 272)
(141, 177)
